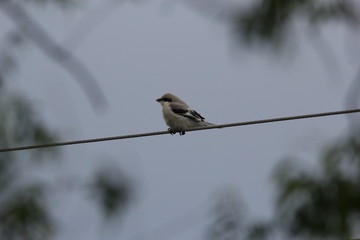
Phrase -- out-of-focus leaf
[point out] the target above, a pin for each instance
(20, 125)
(228, 216)
(259, 231)
(295, 183)
(24, 216)
(270, 22)
(334, 11)
(112, 190)
(321, 204)
(7, 172)
(23, 213)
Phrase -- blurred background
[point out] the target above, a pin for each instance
(72, 69)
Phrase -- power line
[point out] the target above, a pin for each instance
(236, 124)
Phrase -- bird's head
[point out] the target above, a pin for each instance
(167, 98)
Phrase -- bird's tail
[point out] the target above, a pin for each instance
(206, 124)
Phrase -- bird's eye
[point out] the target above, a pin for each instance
(167, 99)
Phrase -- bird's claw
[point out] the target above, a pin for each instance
(174, 132)
(171, 131)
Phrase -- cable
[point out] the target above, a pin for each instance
(280, 119)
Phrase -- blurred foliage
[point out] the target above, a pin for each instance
(259, 231)
(24, 206)
(228, 216)
(311, 203)
(23, 212)
(322, 204)
(24, 215)
(112, 190)
(19, 124)
(269, 22)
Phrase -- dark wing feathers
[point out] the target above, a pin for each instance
(185, 111)
(195, 113)
(179, 110)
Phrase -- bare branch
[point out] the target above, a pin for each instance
(49, 47)
(90, 22)
(325, 53)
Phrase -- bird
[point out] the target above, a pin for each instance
(178, 116)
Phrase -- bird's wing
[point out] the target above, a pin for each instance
(185, 111)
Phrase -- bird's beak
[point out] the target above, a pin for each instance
(158, 100)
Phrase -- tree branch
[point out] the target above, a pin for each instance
(57, 53)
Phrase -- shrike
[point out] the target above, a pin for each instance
(179, 116)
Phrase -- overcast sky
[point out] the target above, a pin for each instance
(144, 50)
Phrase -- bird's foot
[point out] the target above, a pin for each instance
(171, 131)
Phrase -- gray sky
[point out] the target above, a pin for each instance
(146, 49)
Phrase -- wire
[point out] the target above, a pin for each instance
(236, 124)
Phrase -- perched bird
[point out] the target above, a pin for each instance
(179, 116)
